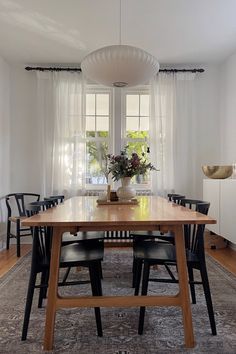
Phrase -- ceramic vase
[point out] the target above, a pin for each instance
(126, 191)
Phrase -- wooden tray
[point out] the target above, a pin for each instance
(118, 202)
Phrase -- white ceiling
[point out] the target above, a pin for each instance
(64, 31)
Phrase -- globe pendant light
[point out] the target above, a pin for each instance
(120, 65)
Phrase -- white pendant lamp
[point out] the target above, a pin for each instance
(120, 65)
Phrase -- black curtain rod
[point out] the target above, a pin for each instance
(39, 68)
(182, 70)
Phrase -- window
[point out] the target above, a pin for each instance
(97, 128)
(136, 127)
(109, 133)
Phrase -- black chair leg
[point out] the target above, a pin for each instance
(94, 278)
(99, 283)
(146, 271)
(8, 234)
(28, 304)
(100, 270)
(18, 237)
(207, 292)
(99, 276)
(66, 275)
(134, 268)
(46, 282)
(137, 272)
(42, 289)
(191, 284)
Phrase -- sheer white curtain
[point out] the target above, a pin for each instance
(172, 133)
(62, 138)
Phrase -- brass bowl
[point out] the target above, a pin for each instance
(215, 172)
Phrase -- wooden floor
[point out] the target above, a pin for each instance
(226, 257)
(8, 258)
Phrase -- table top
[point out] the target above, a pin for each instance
(85, 212)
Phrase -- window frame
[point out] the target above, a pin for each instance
(140, 90)
(117, 125)
(97, 89)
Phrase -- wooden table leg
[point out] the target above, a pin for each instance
(183, 286)
(52, 289)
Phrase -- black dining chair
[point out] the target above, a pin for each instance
(149, 253)
(153, 235)
(56, 199)
(59, 198)
(16, 212)
(67, 237)
(88, 254)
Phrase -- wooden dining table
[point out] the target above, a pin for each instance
(84, 214)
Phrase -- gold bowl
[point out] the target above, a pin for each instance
(215, 172)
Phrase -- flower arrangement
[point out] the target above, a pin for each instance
(124, 166)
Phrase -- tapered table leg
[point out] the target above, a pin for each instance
(52, 289)
(183, 286)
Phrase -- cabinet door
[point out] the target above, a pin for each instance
(228, 210)
(211, 193)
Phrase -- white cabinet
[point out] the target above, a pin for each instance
(221, 193)
(211, 193)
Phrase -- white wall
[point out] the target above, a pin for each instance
(228, 110)
(207, 122)
(4, 125)
(4, 138)
(18, 135)
(24, 133)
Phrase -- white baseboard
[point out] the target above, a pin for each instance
(233, 246)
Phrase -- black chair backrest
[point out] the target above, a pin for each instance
(58, 198)
(33, 208)
(176, 198)
(194, 234)
(42, 236)
(20, 200)
(55, 199)
(42, 204)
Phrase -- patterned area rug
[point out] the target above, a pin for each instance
(75, 330)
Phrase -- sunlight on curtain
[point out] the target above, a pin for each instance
(172, 138)
(62, 143)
